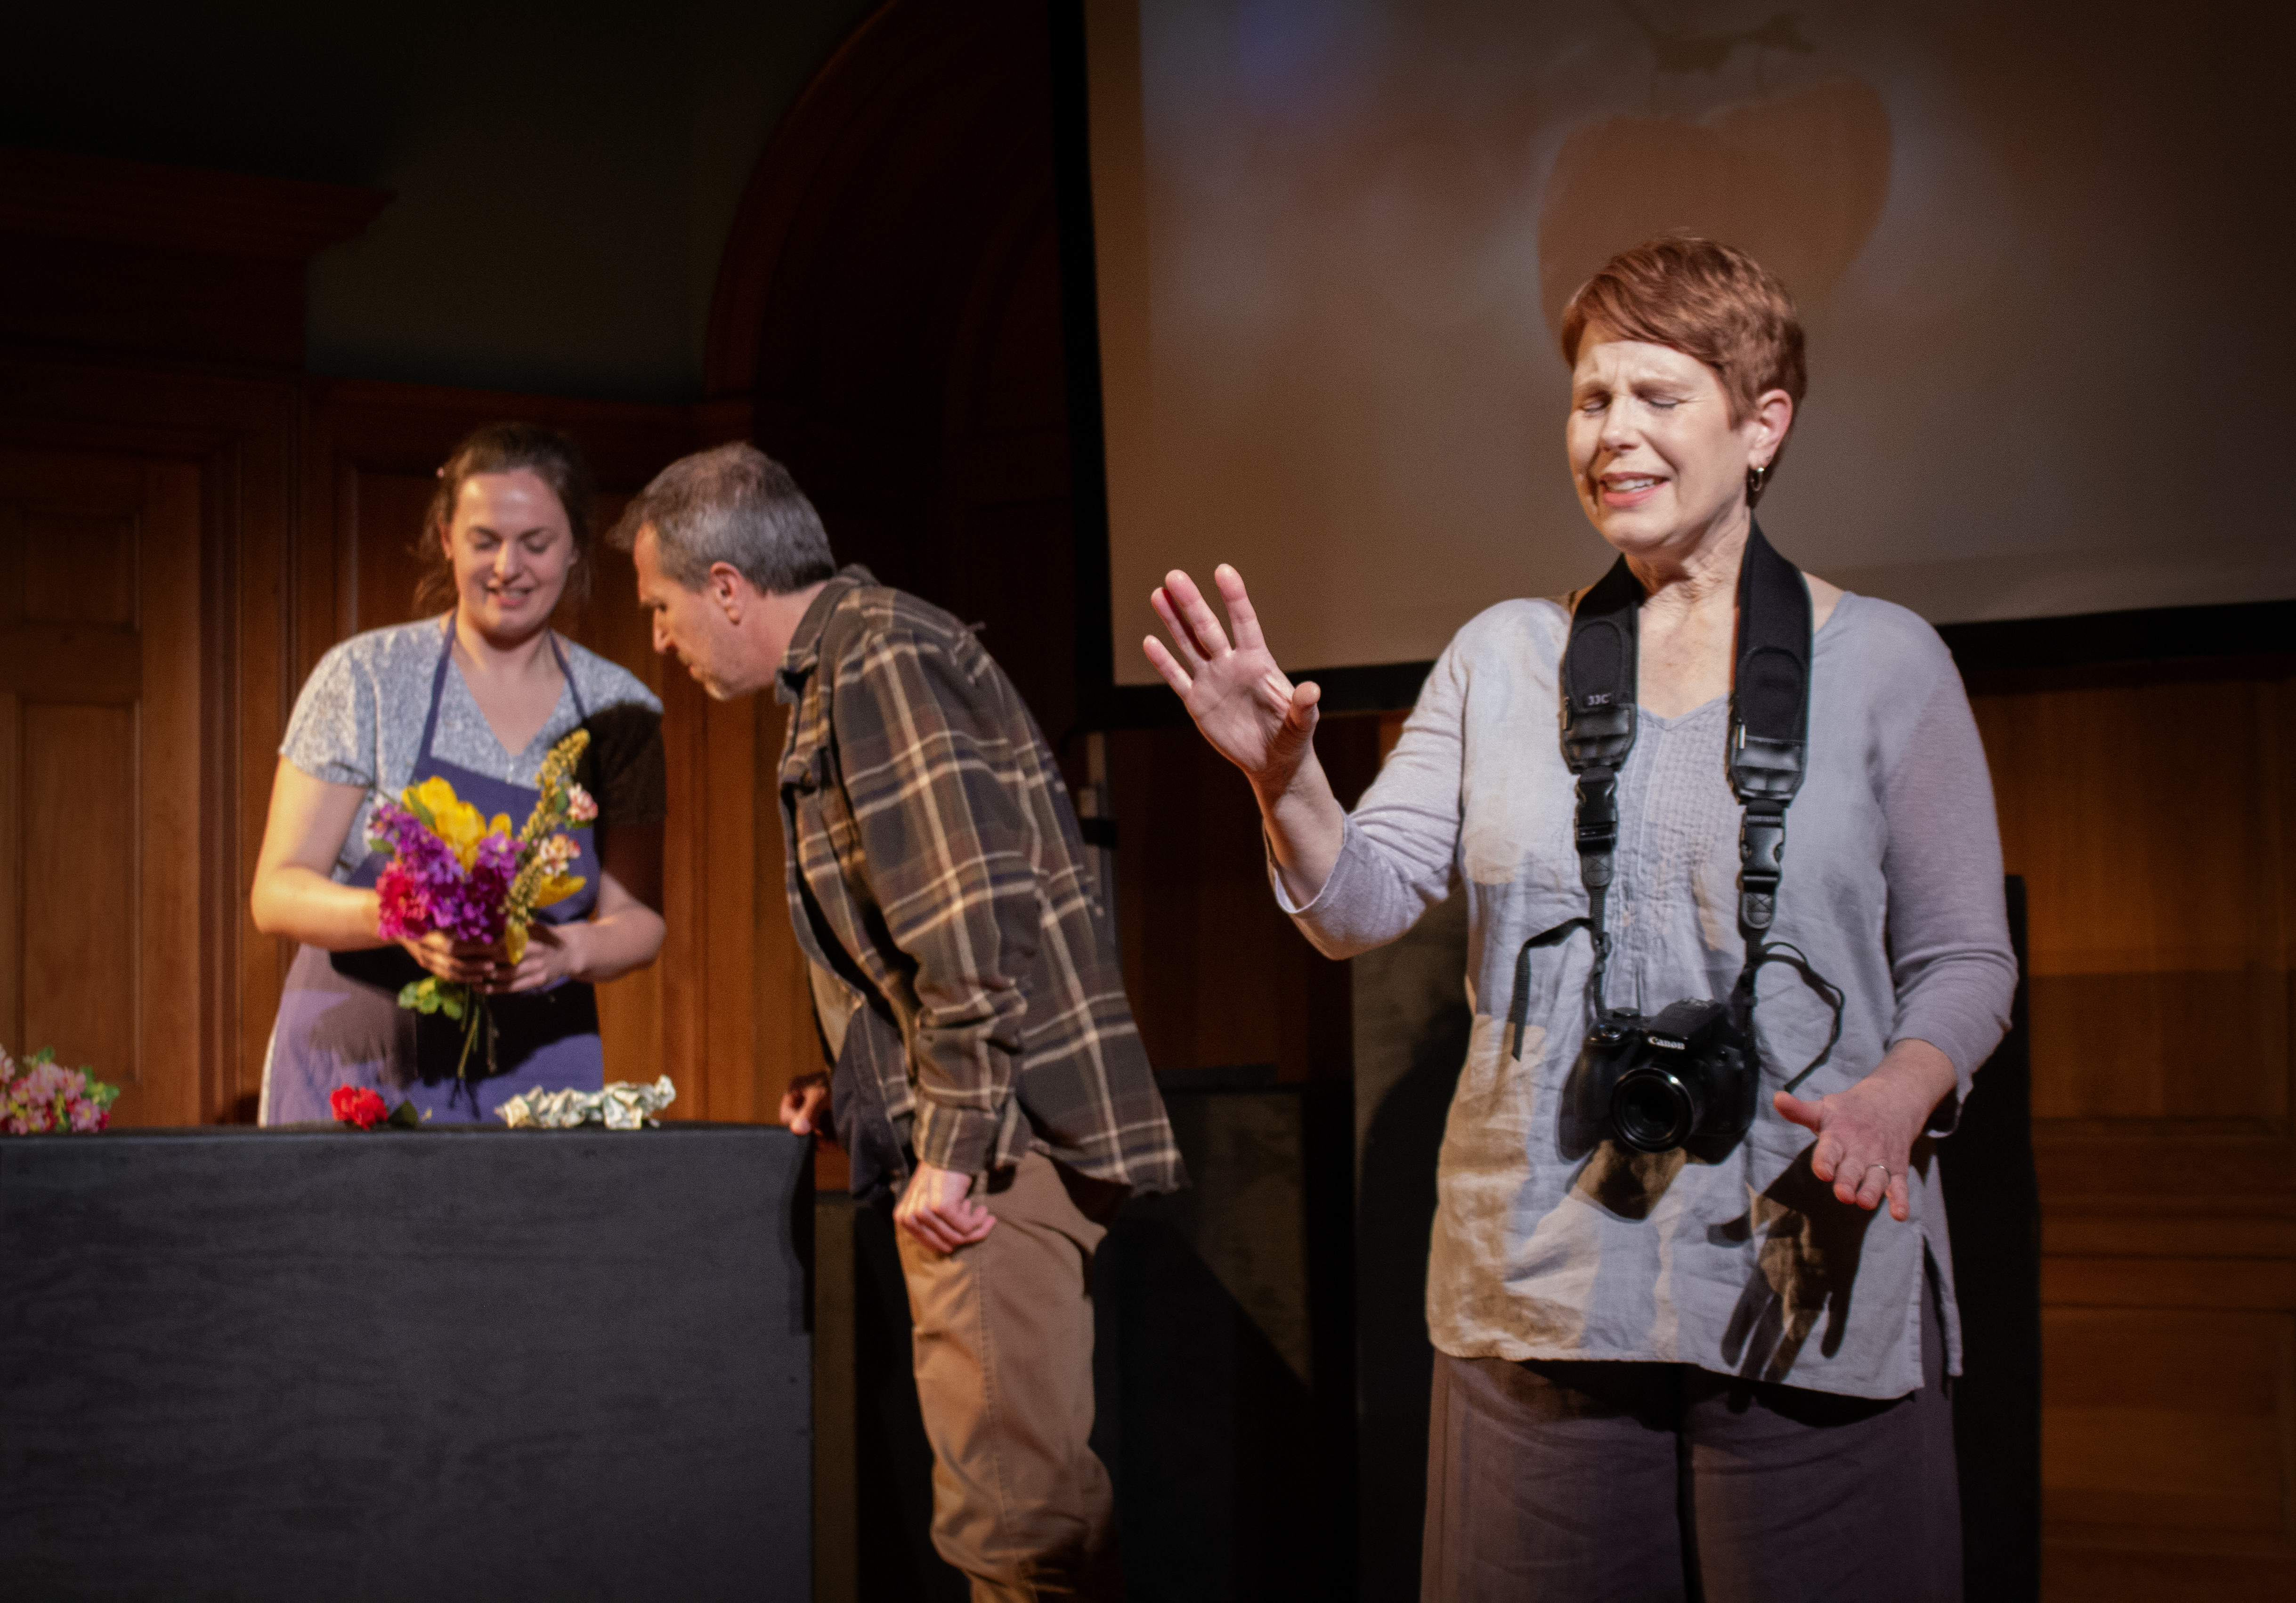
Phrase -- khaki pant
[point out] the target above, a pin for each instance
(1003, 1360)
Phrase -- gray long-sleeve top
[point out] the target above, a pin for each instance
(1550, 1244)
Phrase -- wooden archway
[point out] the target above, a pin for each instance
(888, 323)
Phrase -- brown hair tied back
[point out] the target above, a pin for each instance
(506, 448)
(1705, 300)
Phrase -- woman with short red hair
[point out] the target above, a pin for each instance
(1737, 946)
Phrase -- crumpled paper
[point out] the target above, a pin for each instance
(620, 1106)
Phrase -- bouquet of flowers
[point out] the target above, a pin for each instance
(452, 871)
(40, 1095)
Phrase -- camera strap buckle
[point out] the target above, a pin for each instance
(1596, 825)
(1761, 860)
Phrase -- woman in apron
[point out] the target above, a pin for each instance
(476, 698)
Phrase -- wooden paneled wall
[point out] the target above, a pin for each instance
(1219, 978)
(2151, 810)
(100, 767)
(145, 705)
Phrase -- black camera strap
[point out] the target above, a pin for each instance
(1769, 719)
(1769, 741)
(1599, 673)
(1598, 731)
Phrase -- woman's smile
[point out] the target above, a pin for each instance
(1624, 490)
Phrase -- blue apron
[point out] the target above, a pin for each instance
(341, 1024)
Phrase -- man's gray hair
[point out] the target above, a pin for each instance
(731, 503)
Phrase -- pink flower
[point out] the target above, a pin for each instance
(405, 913)
(41, 1095)
(579, 805)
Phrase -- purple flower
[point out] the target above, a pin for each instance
(426, 887)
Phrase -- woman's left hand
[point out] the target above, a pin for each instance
(553, 952)
(1866, 1134)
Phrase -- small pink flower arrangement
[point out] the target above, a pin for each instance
(41, 1095)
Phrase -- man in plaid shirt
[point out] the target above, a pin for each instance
(985, 1064)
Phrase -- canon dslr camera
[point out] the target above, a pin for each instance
(1666, 1082)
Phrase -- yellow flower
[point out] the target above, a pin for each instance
(453, 820)
(557, 888)
(548, 888)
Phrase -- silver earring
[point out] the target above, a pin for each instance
(1757, 475)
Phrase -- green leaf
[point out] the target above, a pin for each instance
(403, 1116)
(427, 995)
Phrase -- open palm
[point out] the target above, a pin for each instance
(1252, 713)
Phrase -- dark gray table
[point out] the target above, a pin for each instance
(479, 1364)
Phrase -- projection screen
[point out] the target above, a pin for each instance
(2039, 250)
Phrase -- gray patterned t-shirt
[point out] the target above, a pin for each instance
(360, 722)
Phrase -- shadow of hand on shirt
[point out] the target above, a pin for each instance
(1623, 1181)
(1626, 1183)
(1807, 1267)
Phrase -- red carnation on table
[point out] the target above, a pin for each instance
(357, 1105)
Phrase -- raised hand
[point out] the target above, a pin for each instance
(1254, 715)
(1256, 718)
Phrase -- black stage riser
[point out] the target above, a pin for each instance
(488, 1365)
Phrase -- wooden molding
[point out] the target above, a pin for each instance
(177, 210)
(409, 427)
(165, 262)
(77, 662)
(770, 203)
(854, 131)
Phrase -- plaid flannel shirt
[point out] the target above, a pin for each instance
(937, 879)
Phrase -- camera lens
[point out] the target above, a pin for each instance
(1652, 1111)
